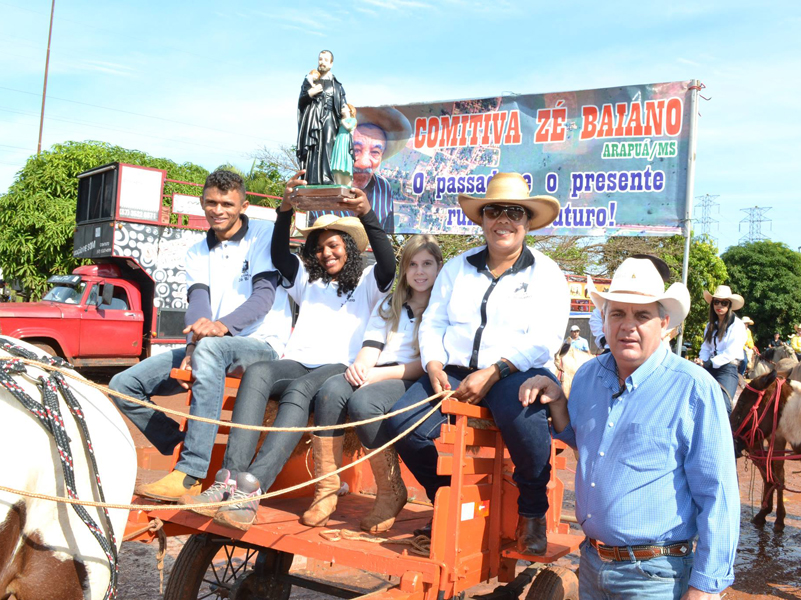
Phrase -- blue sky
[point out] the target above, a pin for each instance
(211, 82)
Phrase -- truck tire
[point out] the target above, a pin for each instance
(554, 583)
(45, 347)
(250, 575)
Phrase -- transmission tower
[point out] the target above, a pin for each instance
(754, 220)
(705, 205)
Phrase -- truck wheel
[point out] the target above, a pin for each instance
(216, 567)
(554, 583)
(46, 348)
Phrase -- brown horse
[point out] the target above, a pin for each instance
(766, 418)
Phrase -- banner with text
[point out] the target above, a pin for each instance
(616, 159)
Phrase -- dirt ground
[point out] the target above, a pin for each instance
(768, 564)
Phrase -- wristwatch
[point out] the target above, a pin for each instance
(503, 368)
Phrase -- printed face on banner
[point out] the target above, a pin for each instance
(369, 143)
(616, 159)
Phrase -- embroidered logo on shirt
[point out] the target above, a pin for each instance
(521, 292)
(245, 276)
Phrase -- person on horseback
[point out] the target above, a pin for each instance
(724, 338)
(238, 315)
(656, 472)
(749, 348)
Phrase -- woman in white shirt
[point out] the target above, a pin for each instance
(334, 294)
(387, 365)
(724, 338)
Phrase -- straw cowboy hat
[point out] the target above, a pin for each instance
(748, 321)
(350, 225)
(723, 292)
(511, 188)
(637, 281)
(391, 121)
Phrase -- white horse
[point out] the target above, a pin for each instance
(46, 549)
(568, 360)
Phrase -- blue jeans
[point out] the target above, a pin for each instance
(726, 376)
(661, 578)
(524, 430)
(296, 384)
(212, 359)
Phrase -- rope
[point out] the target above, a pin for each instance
(218, 422)
(152, 507)
(421, 544)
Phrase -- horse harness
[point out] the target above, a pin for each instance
(48, 413)
(749, 429)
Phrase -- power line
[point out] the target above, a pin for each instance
(705, 204)
(755, 218)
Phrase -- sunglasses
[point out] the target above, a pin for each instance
(515, 214)
(721, 303)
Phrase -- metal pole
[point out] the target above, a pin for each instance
(47, 66)
(688, 211)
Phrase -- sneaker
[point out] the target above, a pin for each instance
(221, 490)
(170, 487)
(242, 514)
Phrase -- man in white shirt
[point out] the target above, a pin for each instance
(238, 315)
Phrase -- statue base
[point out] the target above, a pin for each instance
(320, 197)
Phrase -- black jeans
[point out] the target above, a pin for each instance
(297, 385)
(337, 399)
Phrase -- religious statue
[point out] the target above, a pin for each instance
(321, 108)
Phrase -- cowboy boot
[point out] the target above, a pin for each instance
(391, 495)
(327, 458)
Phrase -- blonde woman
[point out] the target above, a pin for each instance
(387, 365)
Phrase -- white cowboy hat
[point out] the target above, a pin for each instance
(350, 225)
(748, 321)
(723, 292)
(511, 188)
(637, 281)
(389, 120)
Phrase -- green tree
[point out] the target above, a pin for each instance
(37, 214)
(768, 275)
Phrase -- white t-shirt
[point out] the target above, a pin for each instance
(396, 347)
(227, 269)
(330, 328)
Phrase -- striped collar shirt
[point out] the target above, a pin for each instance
(474, 319)
(656, 463)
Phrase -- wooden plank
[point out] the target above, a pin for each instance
(471, 465)
(454, 407)
(473, 437)
(559, 544)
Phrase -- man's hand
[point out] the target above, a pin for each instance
(289, 190)
(476, 385)
(186, 364)
(438, 377)
(548, 392)
(358, 203)
(696, 594)
(698, 361)
(204, 327)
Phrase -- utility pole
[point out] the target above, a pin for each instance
(705, 204)
(754, 220)
(47, 66)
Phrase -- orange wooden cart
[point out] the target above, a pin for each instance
(474, 521)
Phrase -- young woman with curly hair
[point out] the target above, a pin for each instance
(387, 365)
(334, 294)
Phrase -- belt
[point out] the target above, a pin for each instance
(644, 552)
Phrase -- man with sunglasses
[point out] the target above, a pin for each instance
(496, 317)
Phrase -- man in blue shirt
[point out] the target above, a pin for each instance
(656, 472)
(576, 341)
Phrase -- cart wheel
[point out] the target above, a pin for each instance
(554, 583)
(217, 567)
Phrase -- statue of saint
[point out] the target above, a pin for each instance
(320, 109)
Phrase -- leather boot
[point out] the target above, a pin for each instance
(390, 497)
(327, 458)
(531, 535)
(170, 487)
